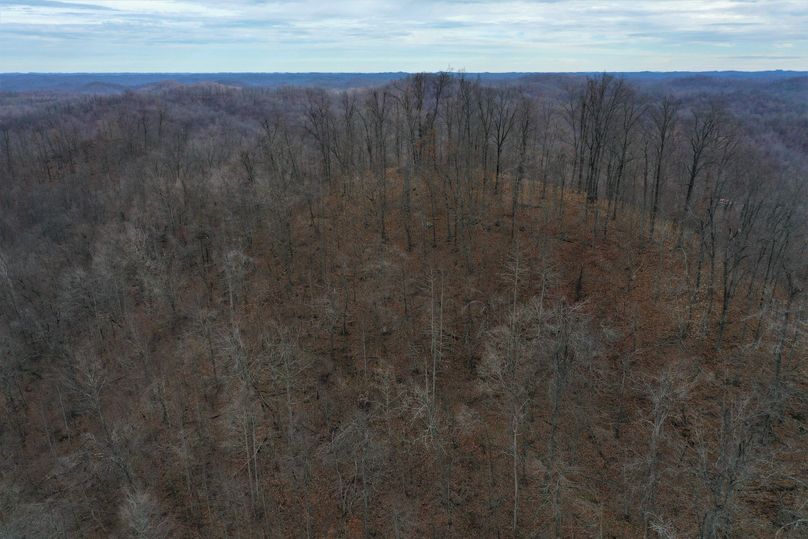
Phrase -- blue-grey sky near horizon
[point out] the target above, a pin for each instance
(420, 35)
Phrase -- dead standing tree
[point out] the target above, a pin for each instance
(504, 118)
(664, 118)
(320, 125)
(508, 370)
(525, 132)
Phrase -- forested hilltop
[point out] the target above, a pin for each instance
(117, 83)
(441, 306)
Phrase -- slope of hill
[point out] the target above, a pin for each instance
(431, 308)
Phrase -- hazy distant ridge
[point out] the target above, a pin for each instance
(104, 83)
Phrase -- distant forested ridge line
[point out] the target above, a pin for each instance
(111, 83)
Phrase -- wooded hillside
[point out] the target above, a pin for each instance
(432, 308)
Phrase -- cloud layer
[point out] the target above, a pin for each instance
(382, 35)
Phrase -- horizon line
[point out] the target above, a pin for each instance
(451, 71)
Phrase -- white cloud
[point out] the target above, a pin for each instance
(383, 35)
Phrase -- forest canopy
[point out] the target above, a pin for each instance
(426, 305)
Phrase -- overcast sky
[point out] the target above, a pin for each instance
(382, 35)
